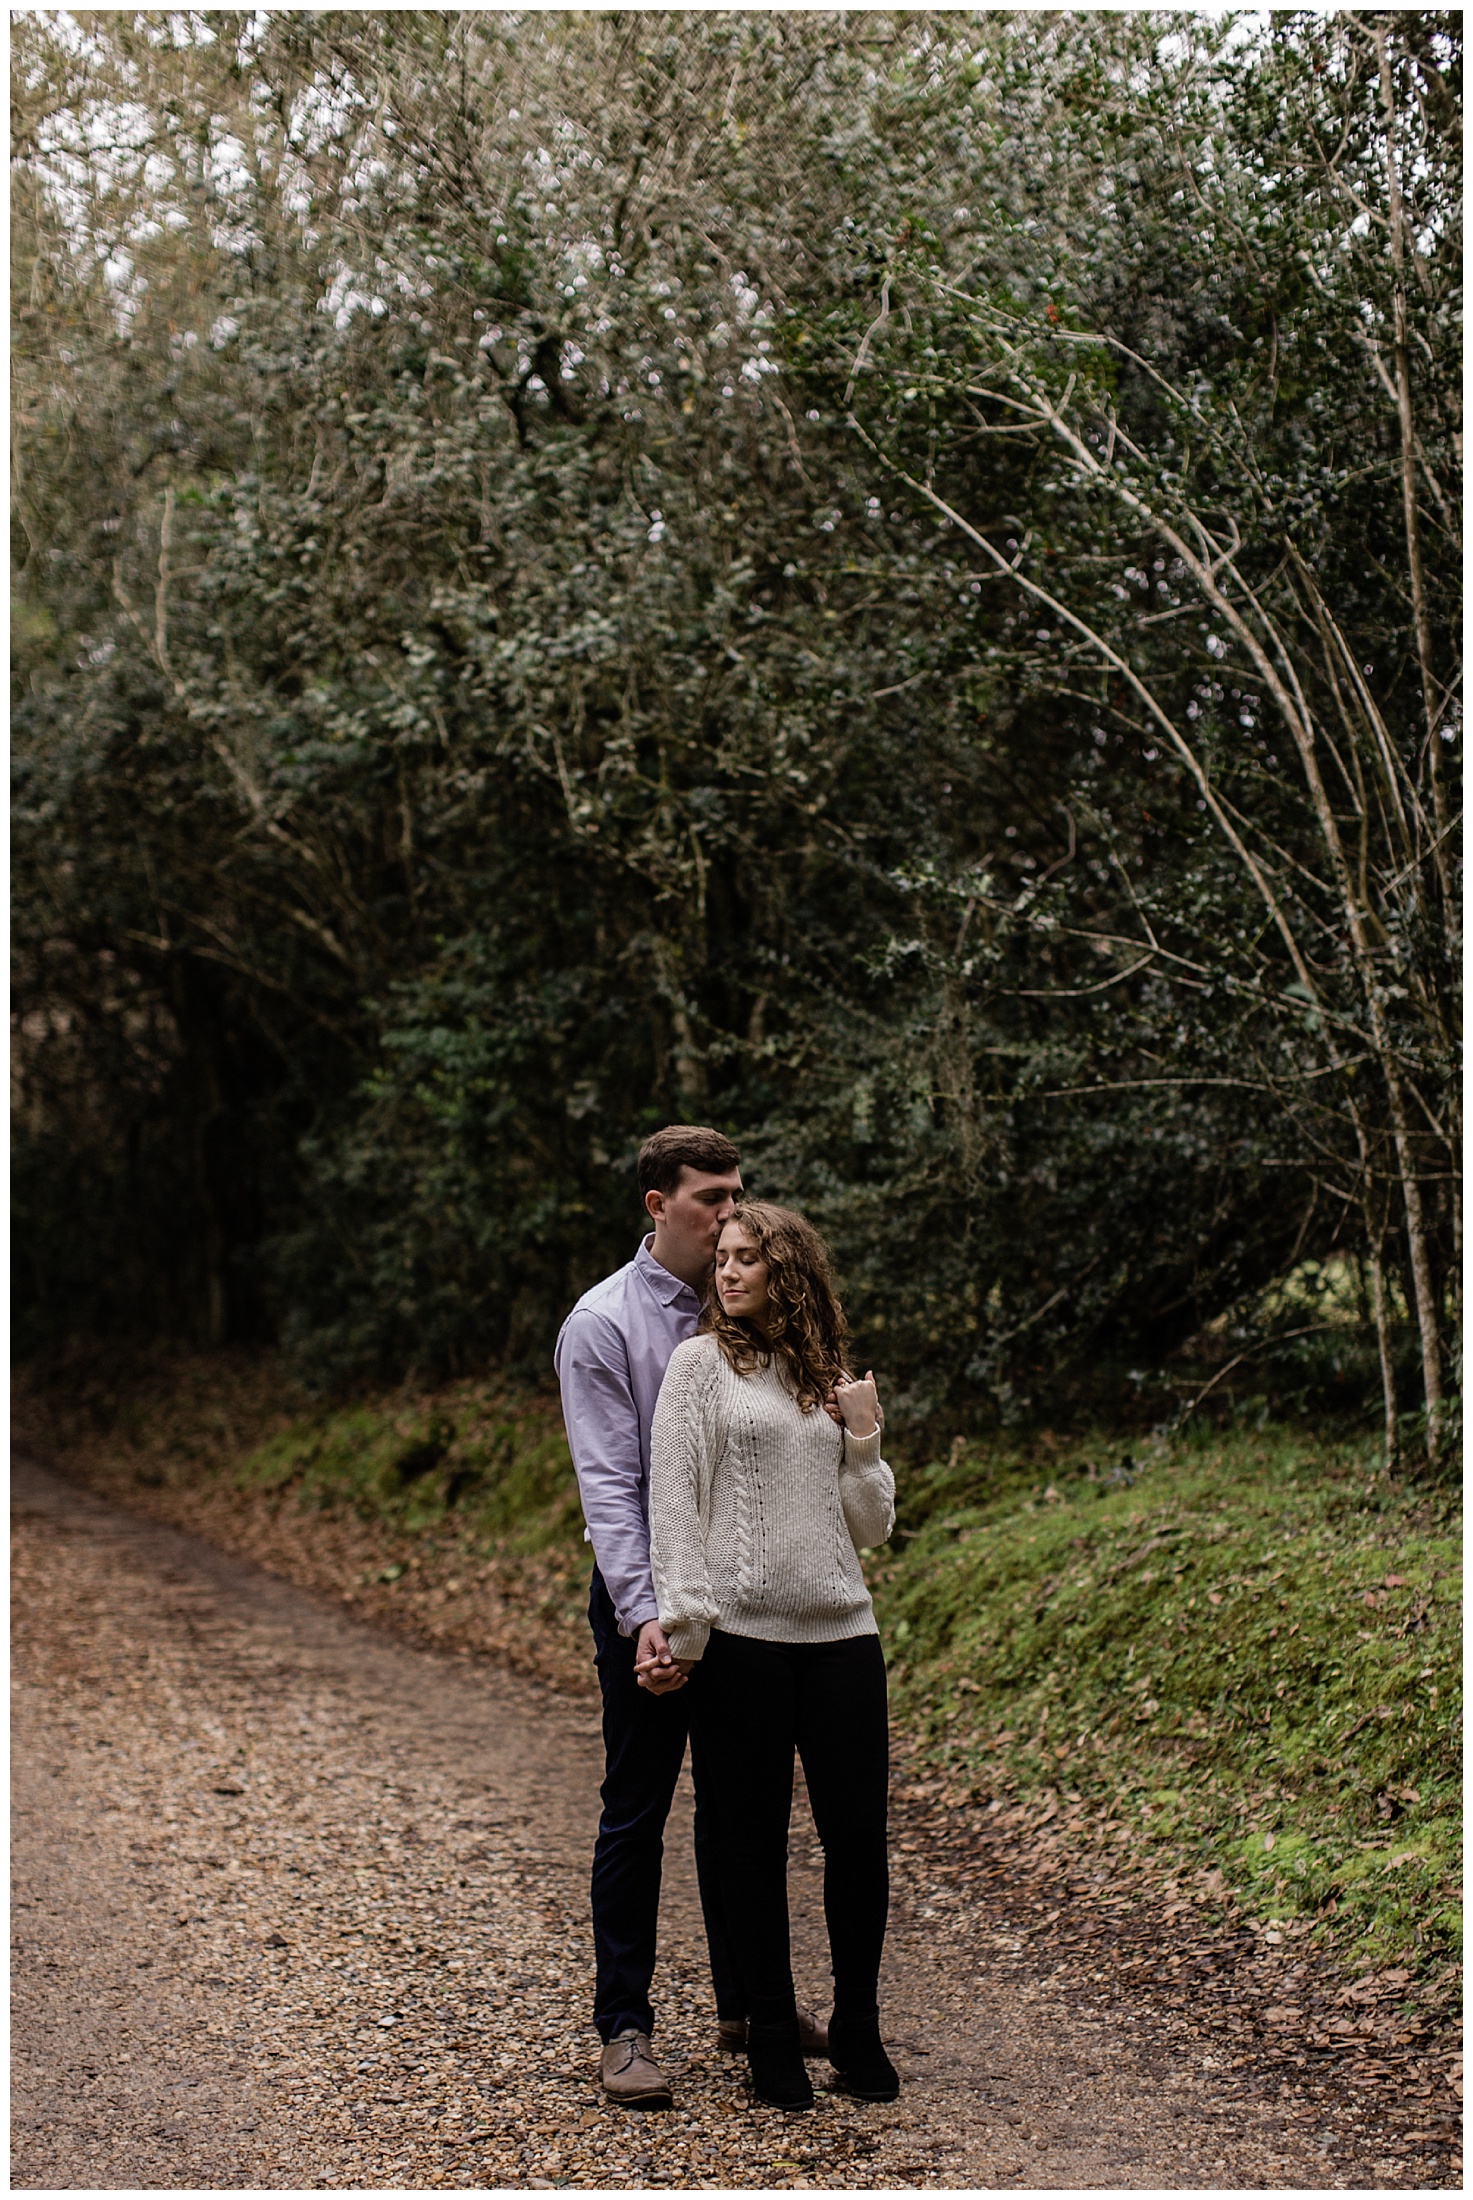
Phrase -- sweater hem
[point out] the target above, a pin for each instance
(768, 1627)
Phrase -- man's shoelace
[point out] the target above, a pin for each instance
(634, 2052)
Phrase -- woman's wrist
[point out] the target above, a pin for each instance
(856, 1398)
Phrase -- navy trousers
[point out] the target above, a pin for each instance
(644, 1748)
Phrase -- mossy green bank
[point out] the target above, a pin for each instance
(1244, 1650)
(497, 1466)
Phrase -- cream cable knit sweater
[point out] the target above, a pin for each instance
(758, 1510)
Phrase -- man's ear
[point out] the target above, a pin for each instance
(654, 1206)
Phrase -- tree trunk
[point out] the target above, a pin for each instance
(1421, 623)
(1383, 1335)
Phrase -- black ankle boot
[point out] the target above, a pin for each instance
(858, 2055)
(775, 2060)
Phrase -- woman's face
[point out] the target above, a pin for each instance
(741, 1273)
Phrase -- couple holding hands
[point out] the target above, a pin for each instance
(730, 1472)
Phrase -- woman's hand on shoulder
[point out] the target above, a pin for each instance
(857, 1404)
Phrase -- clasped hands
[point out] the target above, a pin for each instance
(856, 1407)
(656, 1666)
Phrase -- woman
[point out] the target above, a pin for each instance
(766, 1482)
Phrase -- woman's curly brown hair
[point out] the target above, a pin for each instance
(803, 1323)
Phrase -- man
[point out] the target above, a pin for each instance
(611, 1357)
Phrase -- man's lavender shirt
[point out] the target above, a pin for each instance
(611, 1357)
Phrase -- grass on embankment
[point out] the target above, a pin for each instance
(1238, 1656)
(494, 1469)
(1244, 1651)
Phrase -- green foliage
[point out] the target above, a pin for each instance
(486, 683)
(1245, 1651)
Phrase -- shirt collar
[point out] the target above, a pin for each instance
(667, 1288)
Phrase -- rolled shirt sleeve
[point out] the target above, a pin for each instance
(603, 1427)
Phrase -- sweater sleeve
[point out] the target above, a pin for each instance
(866, 1491)
(682, 1454)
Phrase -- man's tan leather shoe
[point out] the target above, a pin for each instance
(630, 2074)
(813, 2033)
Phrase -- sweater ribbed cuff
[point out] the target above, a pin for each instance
(687, 1637)
(862, 1451)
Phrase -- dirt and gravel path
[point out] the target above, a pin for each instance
(298, 1904)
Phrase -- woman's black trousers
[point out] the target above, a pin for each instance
(752, 1705)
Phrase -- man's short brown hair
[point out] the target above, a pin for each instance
(683, 1146)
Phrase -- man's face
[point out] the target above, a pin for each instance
(690, 1218)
